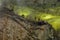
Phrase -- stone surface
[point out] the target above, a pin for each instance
(14, 27)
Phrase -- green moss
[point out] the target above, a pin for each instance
(52, 16)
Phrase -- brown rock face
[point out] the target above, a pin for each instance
(14, 27)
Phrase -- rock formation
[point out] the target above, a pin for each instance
(15, 27)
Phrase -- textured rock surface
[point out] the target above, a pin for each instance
(14, 27)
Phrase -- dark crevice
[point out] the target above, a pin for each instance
(58, 0)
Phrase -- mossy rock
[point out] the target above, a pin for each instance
(15, 27)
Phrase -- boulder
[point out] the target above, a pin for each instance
(15, 27)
